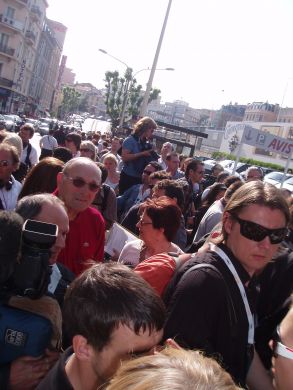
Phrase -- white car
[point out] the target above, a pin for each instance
(288, 184)
(276, 178)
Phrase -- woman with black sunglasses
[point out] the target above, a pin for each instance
(211, 302)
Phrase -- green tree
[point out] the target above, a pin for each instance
(83, 104)
(120, 88)
(71, 101)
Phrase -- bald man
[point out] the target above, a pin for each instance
(77, 186)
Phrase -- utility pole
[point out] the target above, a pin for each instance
(150, 82)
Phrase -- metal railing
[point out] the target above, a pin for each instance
(11, 22)
(7, 50)
(36, 10)
(30, 35)
(5, 82)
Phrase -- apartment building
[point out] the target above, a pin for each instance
(285, 115)
(68, 77)
(261, 112)
(46, 69)
(21, 24)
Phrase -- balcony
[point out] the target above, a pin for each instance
(5, 82)
(23, 2)
(11, 23)
(36, 12)
(9, 51)
(30, 36)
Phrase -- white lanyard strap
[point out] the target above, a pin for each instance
(233, 271)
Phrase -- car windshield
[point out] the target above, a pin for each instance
(278, 176)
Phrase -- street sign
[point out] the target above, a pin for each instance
(265, 140)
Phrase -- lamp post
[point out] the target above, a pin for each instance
(129, 79)
(283, 98)
(150, 82)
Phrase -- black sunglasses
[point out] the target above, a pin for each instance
(79, 183)
(255, 232)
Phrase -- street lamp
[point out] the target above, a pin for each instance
(283, 98)
(115, 58)
(128, 80)
(149, 84)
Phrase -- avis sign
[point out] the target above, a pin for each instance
(264, 140)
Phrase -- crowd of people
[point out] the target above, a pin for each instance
(199, 300)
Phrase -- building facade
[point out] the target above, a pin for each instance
(43, 83)
(261, 112)
(30, 51)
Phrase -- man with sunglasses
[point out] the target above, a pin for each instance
(77, 186)
(137, 193)
(212, 298)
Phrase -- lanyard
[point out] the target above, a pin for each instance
(233, 271)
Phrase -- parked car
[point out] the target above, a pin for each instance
(33, 122)
(276, 178)
(288, 184)
(2, 122)
(208, 165)
(10, 122)
(43, 125)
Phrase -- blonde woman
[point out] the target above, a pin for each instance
(175, 369)
(113, 177)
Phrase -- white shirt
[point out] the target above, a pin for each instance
(131, 252)
(9, 197)
(33, 157)
(211, 218)
(48, 142)
(162, 163)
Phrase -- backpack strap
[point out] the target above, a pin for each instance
(173, 284)
(231, 307)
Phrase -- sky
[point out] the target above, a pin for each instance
(222, 50)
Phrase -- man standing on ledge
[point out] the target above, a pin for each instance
(77, 186)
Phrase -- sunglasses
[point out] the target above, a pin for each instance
(79, 183)
(256, 232)
(4, 163)
(147, 172)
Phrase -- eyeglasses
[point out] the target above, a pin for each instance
(86, 150)
(147, 172)
(4, 163)
(141, 222)
(255, 232)
(79, 183)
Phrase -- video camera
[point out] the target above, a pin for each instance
(31, 275)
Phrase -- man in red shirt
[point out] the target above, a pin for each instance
(77, 186)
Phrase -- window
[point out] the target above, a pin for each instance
(4, 40)
(10, 13)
